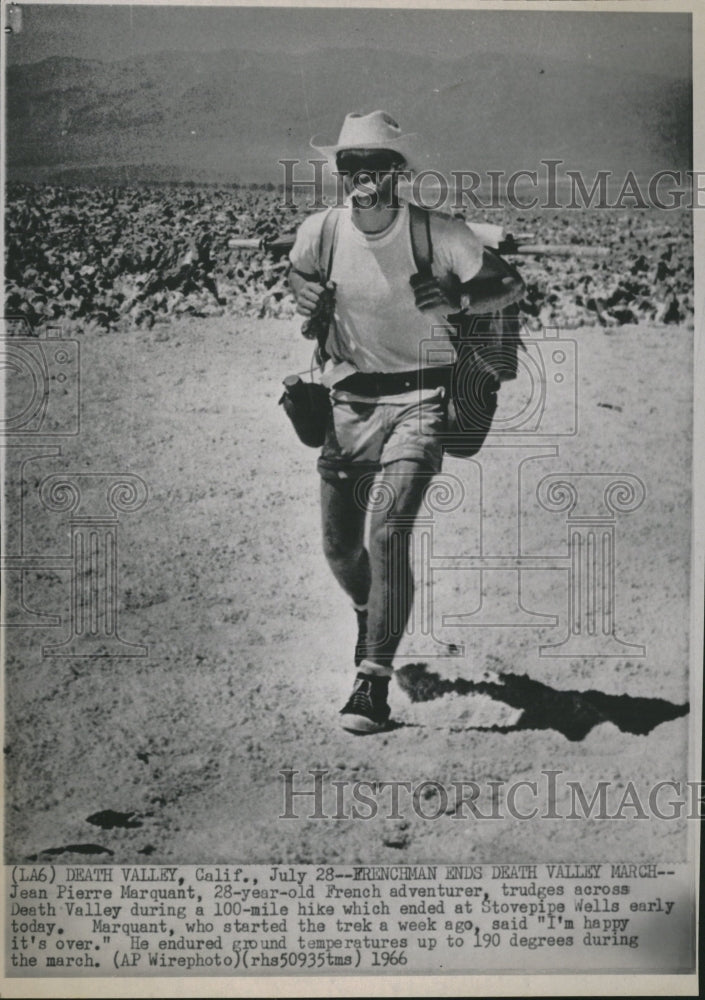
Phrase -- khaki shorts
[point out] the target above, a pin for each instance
(364, 437)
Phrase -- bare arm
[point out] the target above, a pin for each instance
(495, 285)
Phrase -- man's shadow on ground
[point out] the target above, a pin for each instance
(572, 713)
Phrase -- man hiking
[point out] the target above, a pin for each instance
(388, 402)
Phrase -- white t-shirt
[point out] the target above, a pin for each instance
(377, 327)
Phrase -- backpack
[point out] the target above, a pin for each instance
(486, 349)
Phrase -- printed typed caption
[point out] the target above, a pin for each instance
(259, 919)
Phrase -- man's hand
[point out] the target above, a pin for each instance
(427, 293)
(307, 293)
(308, 296)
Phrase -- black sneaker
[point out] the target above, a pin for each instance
(361, 636)
(366, 710)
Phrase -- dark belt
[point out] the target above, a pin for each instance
(390, 383)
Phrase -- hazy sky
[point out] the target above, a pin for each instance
(656, 43)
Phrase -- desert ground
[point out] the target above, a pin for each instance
(176, 756)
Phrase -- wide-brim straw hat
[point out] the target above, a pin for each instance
(377, 130)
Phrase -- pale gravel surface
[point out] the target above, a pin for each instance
(222, 575)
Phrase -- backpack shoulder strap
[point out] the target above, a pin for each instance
(326, 249)
(422, 250)
(421, 246)
(326, 244)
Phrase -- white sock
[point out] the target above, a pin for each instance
(360, 607)
(375, 669)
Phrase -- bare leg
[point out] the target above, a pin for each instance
(343, 538)
(392, 583)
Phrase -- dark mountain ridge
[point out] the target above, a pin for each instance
(234, 114)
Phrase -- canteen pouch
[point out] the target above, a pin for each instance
(307, 405)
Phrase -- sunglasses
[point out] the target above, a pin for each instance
(382, 162)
